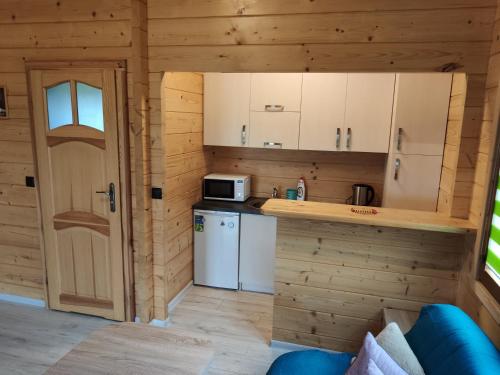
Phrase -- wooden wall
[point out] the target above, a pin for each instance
(473, 297)
(32, 30)
(328, 175)
(184, 166)
(333, 280)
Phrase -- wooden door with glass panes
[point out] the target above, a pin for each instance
(76, 133)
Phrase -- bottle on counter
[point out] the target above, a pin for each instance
(301, 190)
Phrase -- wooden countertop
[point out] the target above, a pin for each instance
(387, 217)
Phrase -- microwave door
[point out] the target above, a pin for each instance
(218, 189)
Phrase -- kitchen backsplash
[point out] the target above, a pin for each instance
(329, 175)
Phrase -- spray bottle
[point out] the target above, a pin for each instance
(301, 190)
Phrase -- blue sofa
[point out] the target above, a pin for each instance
(444, 339)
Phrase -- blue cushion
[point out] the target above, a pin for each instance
(446, 341)
(311, 362)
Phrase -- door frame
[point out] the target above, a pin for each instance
(120, 68)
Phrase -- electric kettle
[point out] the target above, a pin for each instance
(362, 195)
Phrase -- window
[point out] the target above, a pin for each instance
(59, 105)
(64, 97)
(490, 268)
(89, 101)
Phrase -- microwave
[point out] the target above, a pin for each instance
(226, 187)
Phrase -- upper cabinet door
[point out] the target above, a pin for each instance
(275, 130)
(226, 109)
(276, 92)
(421, 113)
(322, 111)
(368, 112)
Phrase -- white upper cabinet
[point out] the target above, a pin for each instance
(322, 111)
(275, 130)
(420, 113)
(226, 109)
(279, 92)
(368, 112)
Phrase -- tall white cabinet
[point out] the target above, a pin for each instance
(226, 109)
(417, 141)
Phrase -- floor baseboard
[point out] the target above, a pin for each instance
(283, 345)
(179, 297)
(22, 300)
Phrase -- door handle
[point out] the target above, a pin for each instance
(337, 142)
(400, 136)
(111, 195)
(397, 165)
(243, 134)
(348, 140)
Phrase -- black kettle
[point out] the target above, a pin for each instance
(362, 195)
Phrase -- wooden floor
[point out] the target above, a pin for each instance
(238, 325)
(32, 338)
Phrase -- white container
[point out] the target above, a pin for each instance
(301, 190)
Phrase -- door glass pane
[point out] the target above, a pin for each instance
(89, 101)
(59, 105)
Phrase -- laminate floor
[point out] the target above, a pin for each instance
(32, 339)
(238, 324)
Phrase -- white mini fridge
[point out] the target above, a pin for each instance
(216, 248)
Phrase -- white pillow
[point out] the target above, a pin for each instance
(392, 340)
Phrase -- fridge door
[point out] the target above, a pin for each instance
(216, 248)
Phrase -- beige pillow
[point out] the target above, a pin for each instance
(392, 340)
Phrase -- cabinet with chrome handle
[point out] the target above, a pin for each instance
(337, 139)
(244, 135)
(397, 166)
(274, 108)
(273, 145)
(348, 138)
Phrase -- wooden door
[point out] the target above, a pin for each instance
(368, 112)
(322, 111)
(276, 92)
(412, 182)
(275, 130)
(421, 113)
(226, 109)
(76, 135)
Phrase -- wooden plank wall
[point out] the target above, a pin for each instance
(185, 165)
(452, 143)
(143, 219)
(473, 297)
(329, 175)
(41, 30)
(332, 280)
(303, 35)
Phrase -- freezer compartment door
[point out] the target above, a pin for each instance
(216, 249)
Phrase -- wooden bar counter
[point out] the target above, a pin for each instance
(338, 266)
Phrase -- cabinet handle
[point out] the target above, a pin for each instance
(337, 142)
(397, 165)
(273, 144)
(243, 134)
(400, 136)
(348, 139)
(274, 108)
